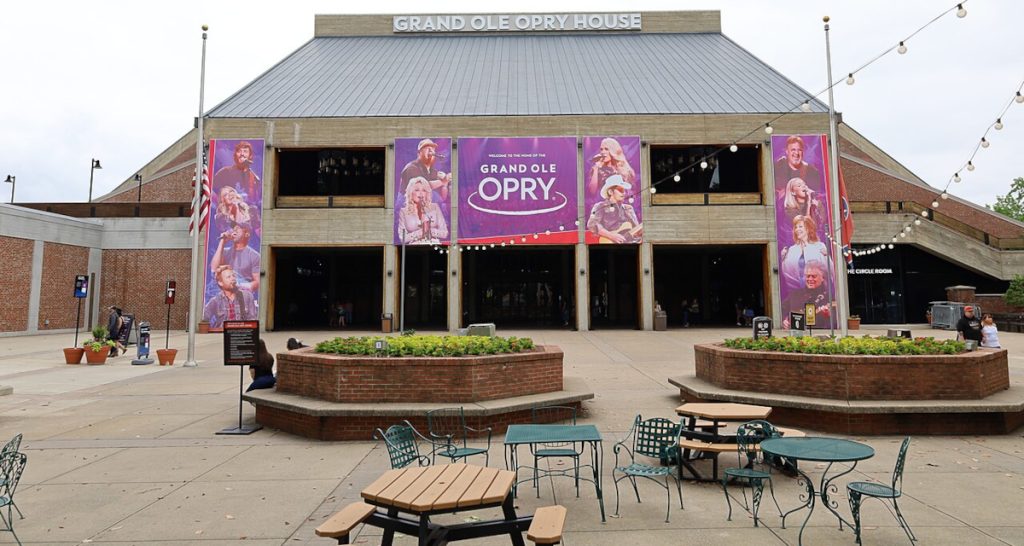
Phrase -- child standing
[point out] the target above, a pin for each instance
(989, 333)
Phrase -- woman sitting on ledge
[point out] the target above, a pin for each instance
(263, 372)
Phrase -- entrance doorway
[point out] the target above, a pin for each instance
(426, 288)
(519, 286)
(720, 278)
(614, 286)
(311, 283)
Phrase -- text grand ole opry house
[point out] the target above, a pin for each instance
(471, 168)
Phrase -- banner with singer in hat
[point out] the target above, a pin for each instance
(423, 177)
(611, 190)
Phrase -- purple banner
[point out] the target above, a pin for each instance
(612, 190)
(517, 190)
(231, 291)
(423, 207)
(801, 216)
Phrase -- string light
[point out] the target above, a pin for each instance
(970, 166)
(903, 235)
(893, 240)
(733, 148)
(902, 49)
(1019, 98)
(935, 204)
(768, 128)
(890, 244)
(984, 142)
(654, 190)
(917, 222)
(849, 79)
(961, 12)
(676, 178)
(806, 106)
(956, 177)
(924, 213)
(944, 196)
(908, 229)
(703, 165)
(998, 125)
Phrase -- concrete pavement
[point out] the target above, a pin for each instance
(122, 454)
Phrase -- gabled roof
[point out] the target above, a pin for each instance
(515, 75)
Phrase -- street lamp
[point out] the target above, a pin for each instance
(95, 164)
(138, 178)
(11, 178)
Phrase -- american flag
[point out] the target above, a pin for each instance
(204, 196)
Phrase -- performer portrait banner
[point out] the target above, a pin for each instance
(232, 262)
(611, 190)
(806, 255)
(423, 177)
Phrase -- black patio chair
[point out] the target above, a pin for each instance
(891, 492)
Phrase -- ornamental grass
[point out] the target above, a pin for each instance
(433, 346)
(866, 345)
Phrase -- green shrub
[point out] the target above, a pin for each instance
(417, 345)
(1015, 293)
(865, 345)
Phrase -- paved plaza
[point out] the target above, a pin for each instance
(122, 454)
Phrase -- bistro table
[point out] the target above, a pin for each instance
(828, 450)
(532, 435)
(443, 489)
(716, 413)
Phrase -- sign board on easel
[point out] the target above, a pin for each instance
(241, 348)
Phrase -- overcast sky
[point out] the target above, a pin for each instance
(119, 80)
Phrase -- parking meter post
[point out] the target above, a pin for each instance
(78, 321)
(167, 337)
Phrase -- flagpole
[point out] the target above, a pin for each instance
(195, 298)
(835, 211)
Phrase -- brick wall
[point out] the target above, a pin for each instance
(339, 378)
(989, 303)
(134, 280)
(56, 302)
(968, 376)
(16, 284)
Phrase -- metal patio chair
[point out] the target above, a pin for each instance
(450, 435)
(560, 415)
(12, 464)
(12, 446)
(657, 439)
(403, 448)
(748, 437)
(891, 492)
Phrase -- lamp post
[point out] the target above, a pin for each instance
(138, 178)
(11, 178)
(95, 164)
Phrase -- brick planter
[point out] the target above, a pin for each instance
(968, 376)
(361, 379)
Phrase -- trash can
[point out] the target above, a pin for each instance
(660, 321)
(387, 321)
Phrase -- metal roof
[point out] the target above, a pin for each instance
(515, 75)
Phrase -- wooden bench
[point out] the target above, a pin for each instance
(706, 447)
(341, 524)
(791, 432)
(547, 525)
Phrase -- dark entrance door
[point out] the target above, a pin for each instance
(518, 286)
(426, 288)
(311, 283)
(614, 286)
(720, 278)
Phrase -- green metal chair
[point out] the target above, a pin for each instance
(748, 437)
(657, 439)
(12, 446)
(450, 435)
(403, 448)
(12, 464)
(857, 490)
(562, 415)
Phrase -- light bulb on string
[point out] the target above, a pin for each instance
(768, 128)
(917, 222)
(1019, 98)
(902, 49)
(956, 177)
(935, 204)
(908, 229)
(970, 166)
(676, 178)
(577, 223)
(998, 125)
(944, 196)
(703, 164)
(924, 213)
(654, 190)
(849, 79)
(524, 239)
(984, 142)
(535, 236)
(903, 234)
(492, 245)
(561, 228)
(503, 244)
(893, 240)
(890, 246)
(733, 148)
(547, 232)
(806, 106)
(961, 12)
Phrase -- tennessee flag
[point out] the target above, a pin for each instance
(844, 202)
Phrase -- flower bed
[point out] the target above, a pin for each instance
(425, 345)
(866, 345)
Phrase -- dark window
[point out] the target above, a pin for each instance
(726, 171)
(331, 172)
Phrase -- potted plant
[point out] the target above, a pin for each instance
(166, 356)
(97, 348)
(853, 323)
(73, 355)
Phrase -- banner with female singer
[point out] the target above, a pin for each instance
(611, 181)
(231, 290)
(422, 182)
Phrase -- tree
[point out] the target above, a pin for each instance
(1012, 204)
(1015, 293)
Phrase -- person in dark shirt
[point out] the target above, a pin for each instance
(969, 327)
(263, 372)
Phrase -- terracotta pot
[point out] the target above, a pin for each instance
(166, 356)
(73, 355)
(204, 327)
(853, 324)
(97, 357)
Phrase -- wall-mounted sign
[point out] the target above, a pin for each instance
(611, 190)
(867, 271)
(517, 22)
(423, 175)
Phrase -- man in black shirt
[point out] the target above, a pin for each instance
(969, 327)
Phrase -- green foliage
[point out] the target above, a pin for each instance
(1015, 294)
(99, 339)
(434, 346)
(866, 345)
(1012, 204)
(100, 332)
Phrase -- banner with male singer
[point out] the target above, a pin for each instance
(231, 290)
(518, 190)
(423, 206)
(802, 203)
(611, 182)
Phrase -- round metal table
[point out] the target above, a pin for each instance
(818, 449)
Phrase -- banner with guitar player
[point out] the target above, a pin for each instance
(802, 203)
(518, 190)
(611, 190)
(423, 177)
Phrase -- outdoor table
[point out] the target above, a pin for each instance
(828, 450)
(423, 491)
(716, 413)
(517, 435)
